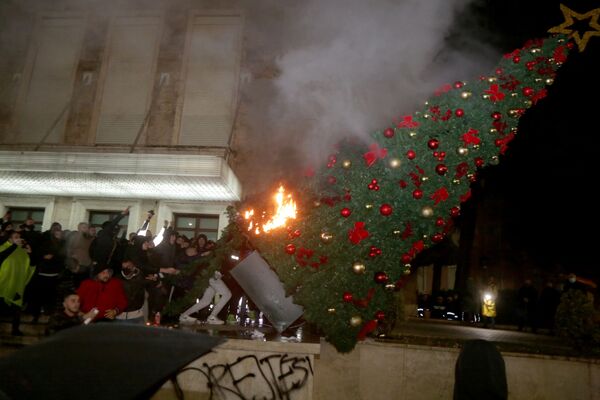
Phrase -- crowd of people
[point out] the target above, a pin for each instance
(477, 303)
(77, 277)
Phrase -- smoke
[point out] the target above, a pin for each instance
(322, 70)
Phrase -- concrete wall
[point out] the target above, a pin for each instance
(244, 369)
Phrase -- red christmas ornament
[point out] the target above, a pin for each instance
(496, 115)
(459, 112)
(458, 84)
(388, 133)
(479, 162)
(380, 277)
(385, 210)
(347, 297)
(379, 315)
(437, 237)
(345, 212)
(411, 154)
(331, 180)
(454, 212)
(530, 65)
(440, 222)
(433, 144)
(297, 233)
(417, 194)
(499, 71)
(527, 91)
(406, 258)
(516, 59)
(441, 169)
(290, 249)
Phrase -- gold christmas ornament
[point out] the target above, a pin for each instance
(493, 131)
(424, 178)
(368, 206)
(535, 50)
(407, 269)
(356, 321)
(514, 130)
(470, 176)
(494, 160)
(412, 134)
(390, 287)
(462, 151)
(550, 81)
(425, 237)
(395, 163)
(514, 94)
(528, 103)
(538, 80)
(485, 96)
(465, 95)
(426, 116)
(513, 113)
(426, 103)
(456, 181)
(316, 203)
(346, 164)
(326, 237)
(396, 232)
(427, 212)
(492, 79)
(476, 146)
(358, 268)
(331, 310)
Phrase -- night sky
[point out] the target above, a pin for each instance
(547, 177)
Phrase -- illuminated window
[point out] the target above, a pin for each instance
(191, 225)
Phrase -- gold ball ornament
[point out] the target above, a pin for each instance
(462, 151)
(535, 50)
(427, 212)
(346, 164)
(494, 160)
(493, 131)
(513, 112)
(527, 103)
(466, 95)
(395, 163)
(456, 181)
(470, 176)
(424, 178)
(396, 232)
(412, 134)
(355, 321)
(331, 310)
(492, 79)
(426, 116)
(514, 94)
(514, 130)
(538, 80)
(368, 206)
(476, 146)
(358, 268)
(549, 81)
(407, 268)
(390, 287)
(326, 237)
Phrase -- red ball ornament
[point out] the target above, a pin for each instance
(496, 115)
(516, 59)
(499, 71)
(433, 144)
(385, 210)
(388, 133)
(345, 212)
(290, 249)
(459, 112)
(406, 258)
(441, 169)
(379, 315)
(440, 222)
(411, 154)
(437, 237)
(380, 277)
(530, 65)
(331, 180)
(527, 91)
(417, 194)
(347, 297)
(297, 233)
(458, 84)
(479, 162)
(454, 212)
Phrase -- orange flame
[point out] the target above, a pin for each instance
(286, 209)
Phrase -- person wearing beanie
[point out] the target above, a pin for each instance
(102, 292)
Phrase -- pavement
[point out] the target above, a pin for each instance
(413, 331)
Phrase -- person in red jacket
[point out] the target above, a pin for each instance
(104, 293)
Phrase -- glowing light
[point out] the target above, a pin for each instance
(285, 210)
(487, 296)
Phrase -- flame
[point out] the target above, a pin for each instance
(286, 209)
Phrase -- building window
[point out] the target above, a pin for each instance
(97, 218)
(191, 225)
(20, 215)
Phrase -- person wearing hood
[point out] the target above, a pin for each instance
(104, 293)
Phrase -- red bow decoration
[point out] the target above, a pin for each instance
(465, 196)
(559, 54)
(495, 93)
(366, 329)
(461, 170)
(374, 153)
(407, 122)
(358, 233)
(471, 137)
(503, 143)
(511, 83)
(407, 231)
(540, 94)
(440, 195)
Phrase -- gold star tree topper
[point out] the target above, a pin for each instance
(570, 17)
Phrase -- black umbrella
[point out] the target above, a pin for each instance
(100, 361)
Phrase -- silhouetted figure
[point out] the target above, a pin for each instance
(480, 373)
(526, 306)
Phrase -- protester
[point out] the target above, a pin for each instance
(104, 293)
(70, 315)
